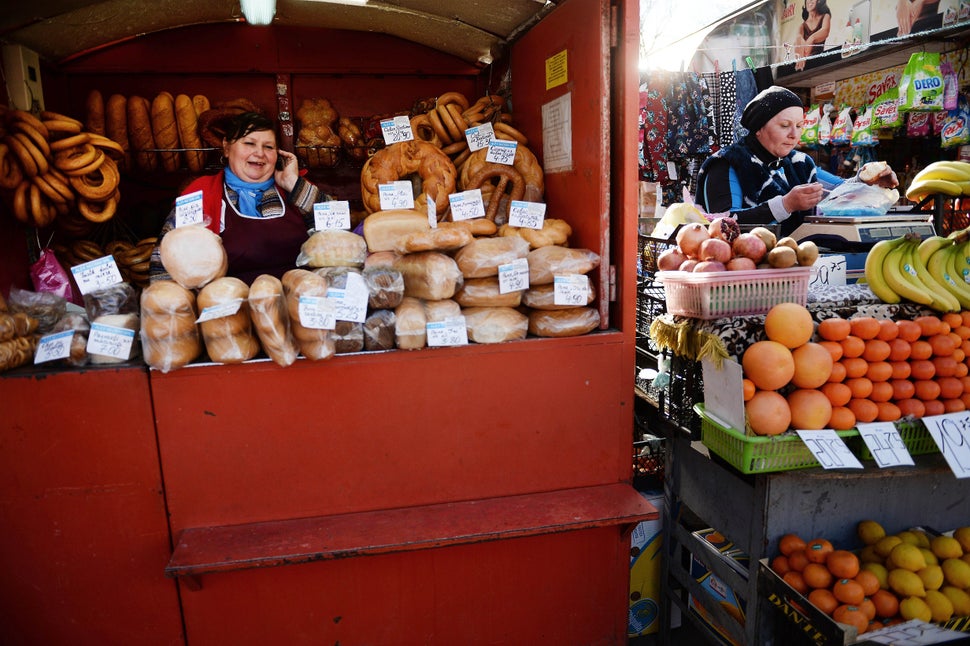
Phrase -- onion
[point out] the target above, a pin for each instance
(690, 237)
(726, 229)
(751, 246)
(740, 263)
(689, 264)
(715, 249)
(670, 260)
(709, 265)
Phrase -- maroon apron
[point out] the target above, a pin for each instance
(257, 246)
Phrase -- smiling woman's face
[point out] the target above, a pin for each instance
(252, 158)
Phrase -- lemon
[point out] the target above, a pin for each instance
(959, 598)
(880, 571)
(922, 538)
(915, 608)
(929, 556)
(869, 532)
(941, 608)
(946, 547)
(908, 557)
(908, 537)
(962, 535)
(905, 583)
(868, 555)
(932, 577)
(956, 572)
(886, 544)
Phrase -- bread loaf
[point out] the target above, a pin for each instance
(201, 103)
(485, 292)
(230, 338)
(116, 123)
(333, 248)
(379, 330)
(315, 344)
(478, 227)
(125, 321)
(429, 274)
(385, 287)
(559, 323)
(439, 311)
(79, 324)
(140, 135)
(437, 239)
(348, 336)
(410, 324)
(267, 307)
(553, 232)
(383, 229)
(167, 312)
(381, 259)
(188, 129)
(165, 131)
(94, 109)
(545, 263)
(193, 256)
(483, 256)
(495, 324)
(543, 297)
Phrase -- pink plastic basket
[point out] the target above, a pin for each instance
(712, 295)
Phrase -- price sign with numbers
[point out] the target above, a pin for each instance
(951, 432)
(396, 195)
(570, 289)
(828, 270)
(96, 274)
(501, 151)
(530, 215)
(829, 449)
(479, 136)
(466, 205)
(396, 130)
(54, 346)
(885, 444)
(219, 311)
(350, 303)
(331, 215)
(110, 341)
(316, 313)
(513, 276)
(188, 209)
(448, 332)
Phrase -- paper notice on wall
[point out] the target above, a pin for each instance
(557, 135)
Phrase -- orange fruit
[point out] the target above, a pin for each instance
(950, 387)
(838, 372)
(965, 380)
(797, 560)
(834, 348)
(962, 331)
(864, 327)
(810, 409)
(911, 407)
(855, 367)
(790, 543)
(748, 388)
(945, 366)
(824, 600)
(848, 591)
(851, 615)
(864, 410)
(899, 350)
(861, 387)
(869, 582)
(965, 346)
(843, 564)
(962, 369)
(817, 575)
(965, 398)
(901, 369)
(882, 391)
(932, 407)
(966, 317)
(838, 394)
(929, 325)
(768, 364)
(943, 345)
(842, 418)
(852, 346)
(813, 365)
(953, 405)
(886, 603)
(927, 389)
(876, 350)
(779, 565)
(790, 324)
(879, 371)
(887, 330)
(887, 411)
(953, 319)
(796, 581)
(922, 369)
(767, 412)
(959, 355)
(920, 350)
(834, 329)
(868, 608)
(908, 330)
(902, 389)
(818, 549)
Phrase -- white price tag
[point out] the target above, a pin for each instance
(570, 289)
(316, 313)
(96, 274)
(110, 341)
(466, 205)
(951, 432)
(885, 444)
(530, 215)
(350, 303)
(396, 195)
(513, 276)
(188, 209)
(219, 311)
(448, 332)
(829, 449)
(397, 130)
(331, 215)
(432, 213)
(54, 346)
(828, 270)
(501, 151)
(479, 136)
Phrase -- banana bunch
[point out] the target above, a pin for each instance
(132, 258)
(947, 177)
(927, 272)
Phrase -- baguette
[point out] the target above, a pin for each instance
(166, 130)
(188, 127)
(95, 112)
(116, 122)
(140, 137)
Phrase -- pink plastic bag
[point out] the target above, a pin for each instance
(48, 276)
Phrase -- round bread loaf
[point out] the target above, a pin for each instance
(193, 256)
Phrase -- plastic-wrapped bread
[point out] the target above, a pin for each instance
(381, 259)
(348, 336)
(483, 256)
(383, 229)
(385, 287)
(495, 324)
(229, 338)
(333, 248)
(556, 323)
(430, 275)
(438, 311)
(553, 232)
(267, 308)
(79, 323)
(543, 297)
(315, 344)
(379, 330)
(169, 335)
(193, 256)
(545, 263)
(437, 239)
(410, 324)
(485, 292)
(478, 227)
(336, 276)
(124, 321)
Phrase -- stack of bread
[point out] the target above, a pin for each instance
(227, 328)
(267, 307)
(315, 343)
(169, 334)
(17, 337)
(318, 143)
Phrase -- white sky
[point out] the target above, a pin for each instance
(667, 21)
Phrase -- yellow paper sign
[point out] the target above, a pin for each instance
(556, 70)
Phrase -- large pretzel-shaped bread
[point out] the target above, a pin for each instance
(400, 161)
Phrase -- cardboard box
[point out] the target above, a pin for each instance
(717, 546)
(646, 543)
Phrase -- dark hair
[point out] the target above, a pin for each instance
(821, 7)
(247, 122)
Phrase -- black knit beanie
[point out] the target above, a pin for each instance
(767, 104)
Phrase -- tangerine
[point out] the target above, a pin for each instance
(911, 407)
(887, 411)
(818, 549)
(767, 412)
(851, 615)
(842, 418)
(929, 324)
(838, 394)
(817, 576)
(882, 391)
(854, 367)
(901, 369)
(861, 387)
(932, 407)
(790, 324)
(943, 345)
(886, 603)
(902, 389)
(887, 330)
(864, 410)
(852, 346)
(950, 387)
(953, 405)
(768, 364)
(868, 608)
(920, 350)
(796, 581)
(953, 319)
(834, 329)
(922, 369)
(879, 371)
(966, 317)
(864, 327)
(848, 591)
(797, 560)
(945, 366)
(747, 388)
(927, 389)
(824, 600)
(834, 348)
(899, 350)
(780, 565)
(813, 365)
(838, 372)
(810, 409)
(908, 330)
(962, 331)
(790, 543)
(869, 582)
(842, 564)
(876, 350)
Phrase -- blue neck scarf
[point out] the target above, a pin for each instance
(250, 194)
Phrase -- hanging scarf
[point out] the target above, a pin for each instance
(250, 193)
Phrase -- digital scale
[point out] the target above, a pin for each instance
(828, 230)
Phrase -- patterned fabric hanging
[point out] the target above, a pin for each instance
(687, 131)
(727, 108)
(653, 130)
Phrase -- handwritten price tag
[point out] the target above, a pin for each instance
(828, 270)
(513, 276)
(530, 215)
(54, 346)
(829, 449)
(396, 195)
(479, 136)
(96, 274)
(950, 431)
(350, 303)
(188, 209)
(397, 130)
(885, 444)
(331, 215)
(466, 205)
(110, 341)
(219, 311)
(432, 213)
(448, 332)
(570, 289)
(316, 313)
(501, 151)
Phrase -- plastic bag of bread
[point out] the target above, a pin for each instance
(348, 336)
(385, 287)
(553, 232)
(383, 229)
(495, 324)
(485, 292)
(557, 323)
(437, 239)
(314, 343)
(16, 324)
(267, 308)
(120, 298)
(193, 256)
(438, 311)
(45, 307)
(228, 334)
(124, 322)
(381, 259)
(543, 297)
(545, 263)
(431, 275)
(410, 324)
(379, 330)
(17, 352)
(332, 248)
(169, 334)
(482, 257)
(78, 322)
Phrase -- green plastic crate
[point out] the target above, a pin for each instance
(757, 454)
